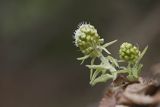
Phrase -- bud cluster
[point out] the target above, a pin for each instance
(87, 39)
(129, 52)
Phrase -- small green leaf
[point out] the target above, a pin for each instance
(141, 55)
(95, 74)
(113, 61)
(102, 78)
(83, 58)
(103, 48)
(110, 43)
(102, 67)
(139, 68)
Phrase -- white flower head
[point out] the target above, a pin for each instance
(87, 38)
(83, 30)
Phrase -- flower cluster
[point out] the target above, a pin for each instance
(129, 52)
(87, 39)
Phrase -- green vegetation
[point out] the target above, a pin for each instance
(92, 46)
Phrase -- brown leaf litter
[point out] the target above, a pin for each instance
(142, 93)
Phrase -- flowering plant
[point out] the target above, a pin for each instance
(92, 46)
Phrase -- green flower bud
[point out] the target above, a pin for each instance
(129, 52)
(87, 39)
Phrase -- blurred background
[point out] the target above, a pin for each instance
(38, 66)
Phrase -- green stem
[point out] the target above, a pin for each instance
(91, 71)
(94, 76)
